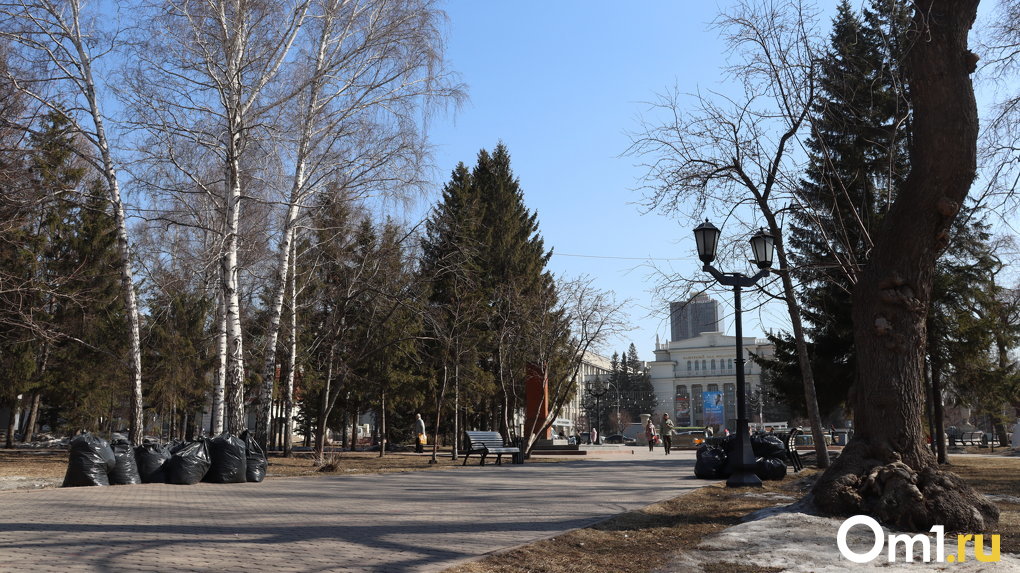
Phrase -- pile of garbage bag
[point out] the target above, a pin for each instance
(769, 454)
(223, 459)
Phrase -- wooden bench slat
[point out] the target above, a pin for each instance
(485, 443)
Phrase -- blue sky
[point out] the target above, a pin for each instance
(561, 83)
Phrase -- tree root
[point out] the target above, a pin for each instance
(900, 496)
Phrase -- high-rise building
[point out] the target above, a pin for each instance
(691, 318)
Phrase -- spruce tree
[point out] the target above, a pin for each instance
(486, 257)
(857, 160)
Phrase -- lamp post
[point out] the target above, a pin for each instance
(706, 236)
(597, 391)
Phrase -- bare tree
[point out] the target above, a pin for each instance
(731, 153)
(584, 320)
(206, 79)
(999, 149)
(372, 71)
(62, 41)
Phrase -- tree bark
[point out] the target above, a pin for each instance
(887, 471)
(220, 386)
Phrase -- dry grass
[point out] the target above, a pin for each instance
(637, 541)
(646, 539)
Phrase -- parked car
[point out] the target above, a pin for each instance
(620, 439)
(688, 438)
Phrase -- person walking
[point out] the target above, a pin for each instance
(650, 434)
(666, 431)
(419, 435)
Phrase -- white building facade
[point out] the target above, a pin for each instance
(593, 367)
(695, 379)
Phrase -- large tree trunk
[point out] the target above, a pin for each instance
(887, 471)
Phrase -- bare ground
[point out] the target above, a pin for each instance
(637, 541)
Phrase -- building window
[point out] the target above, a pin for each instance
(704, 365)
(696, 365)
(688, 365)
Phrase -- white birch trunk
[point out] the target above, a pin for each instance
(220, 385)
(264, 422)
(88, 88)
(295, 204)
(288, 410)
(232, 307)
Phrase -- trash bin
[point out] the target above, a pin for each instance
(518, 443)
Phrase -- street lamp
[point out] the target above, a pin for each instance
(597, 390)
(706, 235)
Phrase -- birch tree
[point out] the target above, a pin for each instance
(372, 72)
(205, 79)
(62, 42)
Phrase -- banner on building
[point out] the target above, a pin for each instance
(714, 411)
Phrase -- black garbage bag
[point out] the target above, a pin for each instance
(151, 459)
(229, 459)
(89, 462)
(711, 463)
(125, 472)
(767, 446)
(728, 444)
(770, 468)
(188, 462)
(256, 459)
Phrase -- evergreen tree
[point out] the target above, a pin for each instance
(637, 385)
(179, 359)
(87, 365)
(64, 245)
(857, 160)
(485, 258)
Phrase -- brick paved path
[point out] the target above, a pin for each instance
(418, 521)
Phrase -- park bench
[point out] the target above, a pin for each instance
(485, 443)
(971, 438)
(790, 448)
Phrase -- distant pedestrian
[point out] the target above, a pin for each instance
(650, 434)
(419, 435)
(666, 431)
(726, 431)
(708, 431)
(593, 436)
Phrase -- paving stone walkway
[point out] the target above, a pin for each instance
(415, 521)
